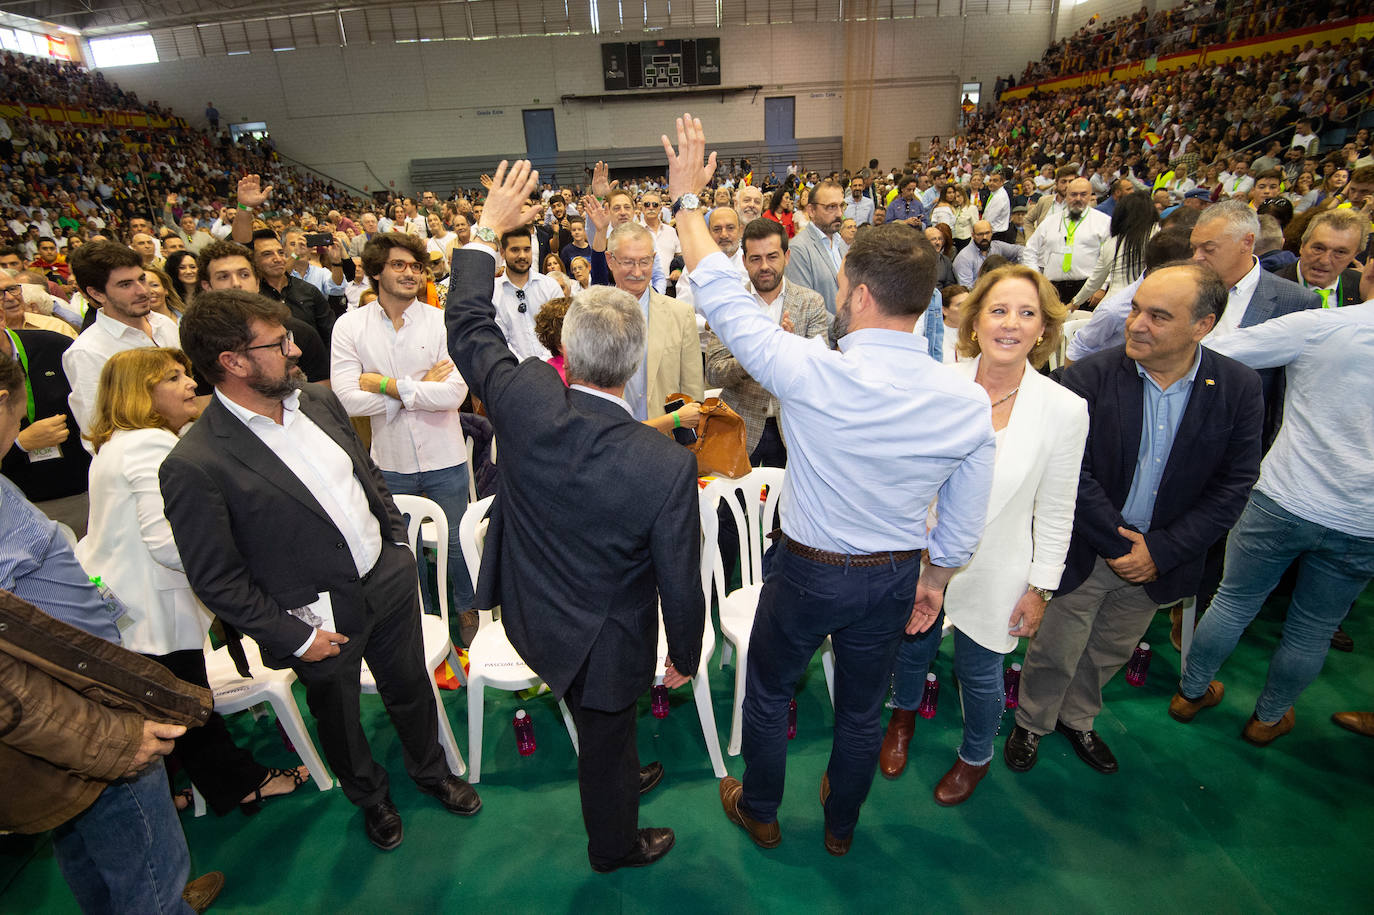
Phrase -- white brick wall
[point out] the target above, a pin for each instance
(361, 113)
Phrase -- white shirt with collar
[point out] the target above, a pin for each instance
(1237, 301)
(518, 326)
(325, 469)
(84, 359)
(666, 245)
(686, 293)
(618, 401)
(421, 431)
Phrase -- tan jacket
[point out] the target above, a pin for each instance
(674, 352)
(739, 390)
(72, 708)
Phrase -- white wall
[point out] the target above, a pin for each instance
(361, 113)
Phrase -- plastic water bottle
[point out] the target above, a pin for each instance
(791, 718)
(930, 698)
(1139, 665)
(1011, 684)
(658, 701)
(524, 733)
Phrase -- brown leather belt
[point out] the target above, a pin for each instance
(866, 560)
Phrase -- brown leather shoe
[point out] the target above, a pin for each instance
(900, 727)
(1359, 722)
(1185, 710)
(765, 835)
(958, 784)
(837, 847)
(1261, 734)
(203, 890)
(1176, 626)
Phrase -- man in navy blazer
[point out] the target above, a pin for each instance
(594, 525)
(1173, 449)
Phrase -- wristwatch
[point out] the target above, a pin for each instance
(1045, 595)
(484, 234)
(686, 202)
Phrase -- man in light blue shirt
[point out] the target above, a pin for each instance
(1313, 503)
(860, 206)
(969, 261)
(874, 432)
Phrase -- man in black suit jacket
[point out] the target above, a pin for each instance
(48, 462)
(594, 524)
(288, 533)
(1173, 449)
(1329, 245)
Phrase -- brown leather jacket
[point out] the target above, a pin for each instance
(72, 708)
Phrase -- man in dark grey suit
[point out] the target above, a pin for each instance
(288, 533)
(594, 525)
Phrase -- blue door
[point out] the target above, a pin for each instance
(541, 142)
(780, 134)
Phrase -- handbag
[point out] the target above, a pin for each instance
(720, 446)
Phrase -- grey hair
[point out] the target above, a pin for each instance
(1270, 236)
(1340, 221)
(1240, 219)
(629, 230)
(603, 337)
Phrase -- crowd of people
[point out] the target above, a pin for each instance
(182, 386)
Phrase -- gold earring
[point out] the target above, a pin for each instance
(1039, 340)
(974, 336)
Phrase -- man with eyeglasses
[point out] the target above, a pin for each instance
(666, 245)
(818, 249)
(389, 362)
(288, 532)
(520, 292)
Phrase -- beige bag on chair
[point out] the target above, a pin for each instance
(720, 446)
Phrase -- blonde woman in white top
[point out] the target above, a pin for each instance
(146, 397)
(965, 215)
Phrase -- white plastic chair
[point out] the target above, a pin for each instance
(1071, 326)
(701, 681)
(438, 644)
(492, 659)
(235, 693)
(753, 519)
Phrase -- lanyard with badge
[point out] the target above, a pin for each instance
(1070, 230)
(37, 454)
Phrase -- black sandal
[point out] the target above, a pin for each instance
(251, 807)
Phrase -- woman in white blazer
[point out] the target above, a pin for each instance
(146, 397)
(1009, 324)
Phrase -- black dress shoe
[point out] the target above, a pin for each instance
(1090, 748)
(382, 823)
(1341, 640)
(456, 795)
(1021, 749)
(650, 776)
(650, 845)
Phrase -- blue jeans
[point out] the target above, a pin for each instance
(980, 685)
(126, 852)
(1333, 568)
(449, 488)
(864, 611)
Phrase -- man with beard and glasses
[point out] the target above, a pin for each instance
(847, 564)
(969, 261)
(289, 533)
(520, 292)
(1065, 247)
(818, 249)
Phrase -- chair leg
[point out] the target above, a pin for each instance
(828, 667)
(570, 724)
(197, 802)
(476, 690)
(701, 691)
(737, 711)
(289, 716)
(726, 651)
(446, 738)
(1189, 608)
(457, 664)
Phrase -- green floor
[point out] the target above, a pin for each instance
(1196, 819)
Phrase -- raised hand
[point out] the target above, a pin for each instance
(595, 211)
(486, 181)
(508, 207)
(601, 185)
(686, 173)
(251, 191)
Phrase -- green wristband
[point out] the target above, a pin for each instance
(382, 386)
(677, 420)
